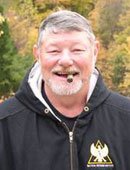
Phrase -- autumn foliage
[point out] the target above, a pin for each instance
(111, 24)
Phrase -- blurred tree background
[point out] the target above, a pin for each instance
(19, 21)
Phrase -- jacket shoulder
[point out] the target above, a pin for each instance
(119, 101)
(10, 107)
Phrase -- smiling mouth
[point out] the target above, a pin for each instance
(65, 75)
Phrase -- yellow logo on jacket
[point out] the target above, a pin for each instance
(99, 156)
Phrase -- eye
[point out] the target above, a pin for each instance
(78, 50)
(53, 51)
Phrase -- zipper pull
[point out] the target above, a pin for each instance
(71, 137)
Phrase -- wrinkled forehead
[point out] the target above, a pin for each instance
(64, 34)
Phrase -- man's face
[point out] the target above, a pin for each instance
(65, 53)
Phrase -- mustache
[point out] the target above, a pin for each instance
(70, 70)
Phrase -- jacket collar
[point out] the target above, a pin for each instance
(30, 91)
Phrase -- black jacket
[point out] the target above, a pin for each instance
(31, 138)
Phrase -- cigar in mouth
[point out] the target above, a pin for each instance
(70, 78)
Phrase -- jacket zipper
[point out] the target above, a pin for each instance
(71, 142)
(71, 149)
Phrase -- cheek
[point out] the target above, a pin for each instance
(48, 61)
(46, 66)
(84, 62)
(87, 66)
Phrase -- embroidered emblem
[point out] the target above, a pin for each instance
(99, 156)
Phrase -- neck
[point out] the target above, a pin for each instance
(68, 105)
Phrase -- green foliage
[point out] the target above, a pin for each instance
(109, 16)
(6, 57)
(82, 6)
(120, 47)
(111, 23)
(12, 66)
(26, 10)
(18, 69)
(119, 70)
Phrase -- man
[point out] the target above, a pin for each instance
(63, 117)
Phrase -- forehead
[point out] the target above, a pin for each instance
(51, 38)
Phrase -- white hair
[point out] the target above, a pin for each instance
(65, 21)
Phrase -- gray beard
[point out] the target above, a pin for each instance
(64, 88)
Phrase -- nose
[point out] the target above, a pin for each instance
(65, 59)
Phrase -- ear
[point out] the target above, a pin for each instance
(96, 48)
(36, 52)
